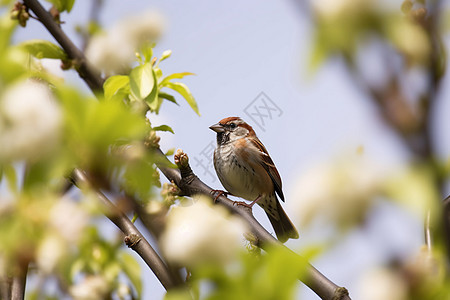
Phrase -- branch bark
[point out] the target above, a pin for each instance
(133, 238)
(89, 74)
(18, 283)
(5, 287)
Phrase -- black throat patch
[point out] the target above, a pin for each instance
(223, 138)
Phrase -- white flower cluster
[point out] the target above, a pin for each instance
(68, 219)
(202, 233)
(30, 121)
(424, 271)
(338, 193)
(114, 50)
(50, 252)
(90, 288)
(383, 283)
(67, 222)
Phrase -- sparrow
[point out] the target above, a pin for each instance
(245, 169)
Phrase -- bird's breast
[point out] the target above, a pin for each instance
(240, 174)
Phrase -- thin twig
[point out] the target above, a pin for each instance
(133, 238)
(94, 16)
(428, 240)
(436, 71)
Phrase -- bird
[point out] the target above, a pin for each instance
(246, 170)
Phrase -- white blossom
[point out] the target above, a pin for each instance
(50, 251)
(114, 50)
(90, 288)
(30, 121)
(338, 193)
(123, 291)
(68, 220)
(383, 283)
(202, 233)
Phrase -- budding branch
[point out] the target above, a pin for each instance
(184, 178)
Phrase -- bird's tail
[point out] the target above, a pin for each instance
(284, 229)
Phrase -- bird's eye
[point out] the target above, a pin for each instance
(233, 125)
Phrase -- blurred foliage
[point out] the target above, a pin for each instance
(407, 37)
(272, 275)
(343, 27)
(109, 137)
(105, 138)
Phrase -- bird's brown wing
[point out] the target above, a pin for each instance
(269, 166)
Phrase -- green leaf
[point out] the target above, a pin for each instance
(175, 76)
(10, 174)
(133, 270)
(165, 55)
(163, 128)
(7, 26)
(184, 91)
(153, 96)
(155, 105)
(113, 84)
(158, 72)
(92, 126)
(43, 49)
(69, 5)
(170, 152)
(167, 97)
(135, 216)
(140, 177)
(63, 5)
(142, 81)
(147, 51)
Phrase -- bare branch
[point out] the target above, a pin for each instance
(18, 283)
(89, 74)
(190, 185)
(5, 287)
(133, 238)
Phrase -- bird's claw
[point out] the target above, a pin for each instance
(242, 203)
(218, 193)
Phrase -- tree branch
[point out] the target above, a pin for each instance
(134, 239)
(189, 183)
(5, 287)
(413, 125)
(94, 17)
(89, 74)
(18, 283)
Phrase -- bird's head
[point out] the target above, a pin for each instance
(231, 129)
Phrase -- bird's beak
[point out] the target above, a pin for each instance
(217, 127)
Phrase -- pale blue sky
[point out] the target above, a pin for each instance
(239, 49)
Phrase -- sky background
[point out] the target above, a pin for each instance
(240, 49)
